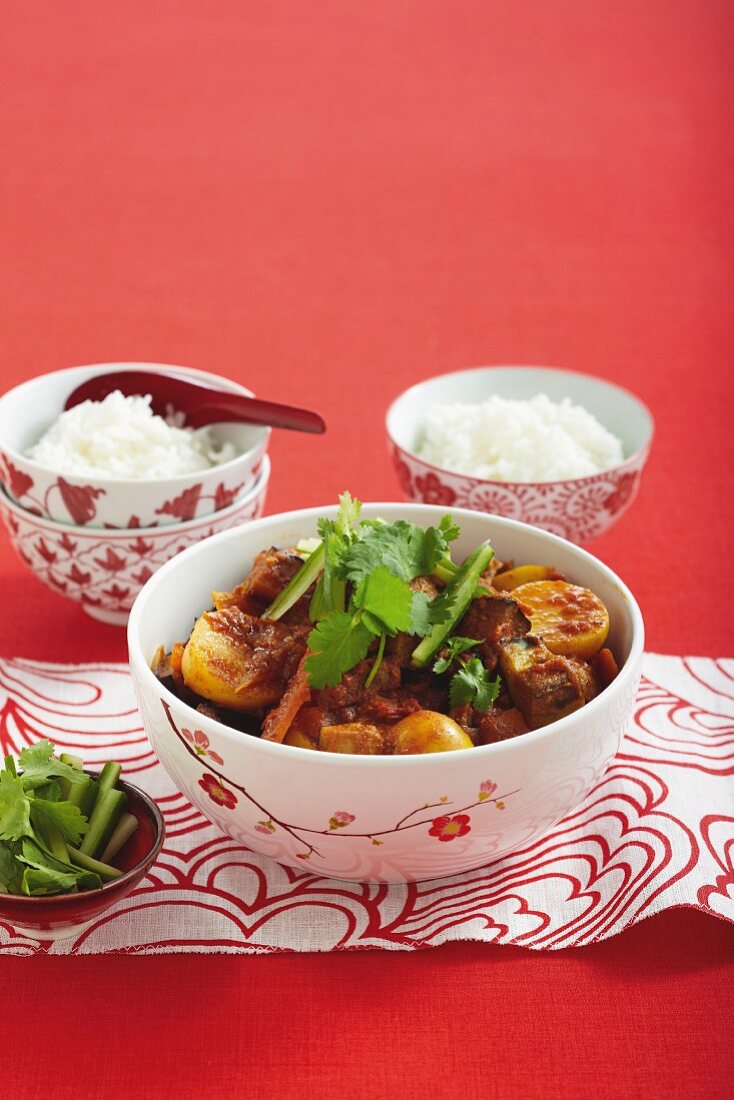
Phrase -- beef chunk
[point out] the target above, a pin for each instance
(271, 571)
(493, 619)
(500, 725)
(543, 685)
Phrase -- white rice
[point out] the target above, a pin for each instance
(502, 439)
(121, 437)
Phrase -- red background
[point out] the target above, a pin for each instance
(329, 202)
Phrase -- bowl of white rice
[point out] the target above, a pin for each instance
(114, 463)
(558, 449)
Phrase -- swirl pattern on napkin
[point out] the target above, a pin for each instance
(657, 832)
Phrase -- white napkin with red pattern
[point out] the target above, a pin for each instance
(657, 832)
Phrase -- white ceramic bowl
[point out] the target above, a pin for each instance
(29, 409)
(104, 570)
(578, 509)
(377, 817)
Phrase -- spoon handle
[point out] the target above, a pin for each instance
(200, 403)
(256, 411)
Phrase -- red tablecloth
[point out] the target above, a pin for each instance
(330, 201)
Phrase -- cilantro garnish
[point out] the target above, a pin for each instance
(377, 561)
(41, 824)
(403, 548)
(337, 644)
(15, 808)
(39, 765)
(472, 684)
(67, 818)
(453, 648)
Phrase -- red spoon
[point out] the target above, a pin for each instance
(200, 403)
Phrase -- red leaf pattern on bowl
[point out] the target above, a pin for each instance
(18, 482)
(184, 506)
(67, 544)
(223, 497)
(83, 567)
(78, 576)
(140, 547)
(79, 500)
(45, 551)
(112, 561)
(116, 592)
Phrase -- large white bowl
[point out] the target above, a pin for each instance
(371, 817)
(579, 508)
(30, 408)
(104, 570)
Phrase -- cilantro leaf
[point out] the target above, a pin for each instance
(396, 546)
(337, 644)
(420, 615)
(436, 543)
(455, 646)
(386, 597)
(472, 684)
(443, 606)
(15, 821)
(39, 765)
(33, 856)
(51, 791)
(9, 872)
(37, 881)
(449, 528)
(350, 509)
(64, 815)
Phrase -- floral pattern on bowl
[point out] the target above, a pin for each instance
(578, 510)
(104, 502)
(103, 570)
(437, 814)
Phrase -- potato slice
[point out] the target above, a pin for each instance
(572, 621)
(359, 738)
(429, 731)
(524, 574)
(238, 661)
(298, 739)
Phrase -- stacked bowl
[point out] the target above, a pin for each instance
(96, 540)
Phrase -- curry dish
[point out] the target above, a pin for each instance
(373, 640)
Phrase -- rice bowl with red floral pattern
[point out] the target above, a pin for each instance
(99, 501)
(576, 508)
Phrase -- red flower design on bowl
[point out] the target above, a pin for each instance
(625, 488)
(79, 500)
(223, 496)
(404, 476)
(218, 792)
(18, 481)
(184, 506)
(450, 826)
(200, 743)
(433, 491)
